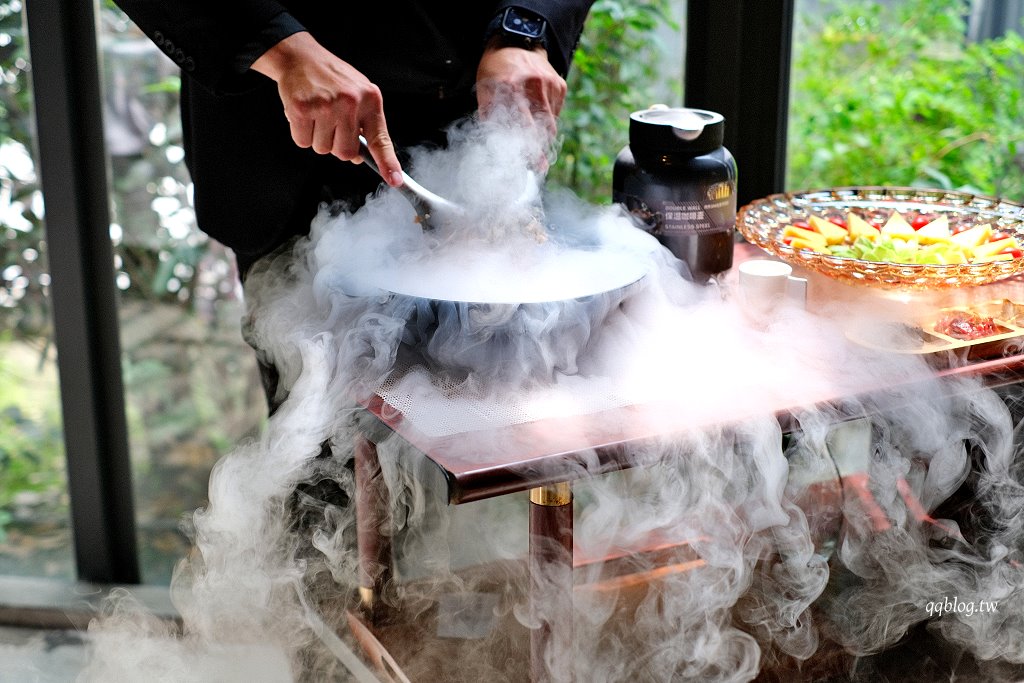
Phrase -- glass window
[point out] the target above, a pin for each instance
(191, 386)
(907, 92)
(630, 57)
(35, 538)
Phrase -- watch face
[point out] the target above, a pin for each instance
(523, 23)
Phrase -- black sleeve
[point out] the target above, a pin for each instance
(565, 24)
(213, 41)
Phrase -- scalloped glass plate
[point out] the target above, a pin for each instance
(762, 221)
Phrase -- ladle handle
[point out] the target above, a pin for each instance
(410, 188)
(364, 151)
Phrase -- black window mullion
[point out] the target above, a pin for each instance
(73, 171)
(738, 63)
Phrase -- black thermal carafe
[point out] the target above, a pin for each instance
(679, 182)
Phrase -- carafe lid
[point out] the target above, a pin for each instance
(665, 130)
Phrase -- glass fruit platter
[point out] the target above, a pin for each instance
(920, 248)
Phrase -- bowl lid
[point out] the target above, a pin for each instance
(665, 130)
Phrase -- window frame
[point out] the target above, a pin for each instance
(72, 160)
(749, 86)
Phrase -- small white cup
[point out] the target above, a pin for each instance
(765, 286)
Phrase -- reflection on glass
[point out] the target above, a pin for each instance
(192, 389)
(35, 538)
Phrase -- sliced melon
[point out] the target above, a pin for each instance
(983, 251)
(972, 237)
(957, 256)
(860, 227)
(806, 235)
(936, 232)
(833, 234)
(993, 258)
(897, 226)
(800, 243)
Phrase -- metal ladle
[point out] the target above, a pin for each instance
(432, 209)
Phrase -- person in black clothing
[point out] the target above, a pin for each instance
(275, 93)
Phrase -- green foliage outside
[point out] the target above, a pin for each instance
(31, 462)
(615, 71)
(31, 444)
(24, 307)
(896, 95)
(31, 447)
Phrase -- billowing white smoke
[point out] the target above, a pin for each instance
(767, 560)
(919, 564)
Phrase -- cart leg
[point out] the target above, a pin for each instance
(551, 641)
(372, 528)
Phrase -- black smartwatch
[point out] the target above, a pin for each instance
(518, 27)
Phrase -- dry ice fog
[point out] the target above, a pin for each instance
(843, 537)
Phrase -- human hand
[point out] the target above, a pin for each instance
(328, 103)
(522, 79)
